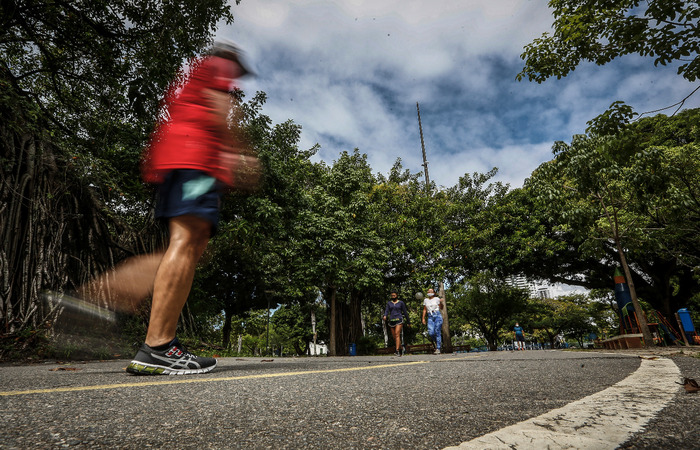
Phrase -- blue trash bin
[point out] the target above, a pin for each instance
(687, 323)
(353, 349)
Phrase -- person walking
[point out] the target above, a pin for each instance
(519, 340)
(431, 309)
(395, 314)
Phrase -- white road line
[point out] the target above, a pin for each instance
(603, 420)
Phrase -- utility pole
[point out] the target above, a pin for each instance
(422, 144)
(268, 294)
(446, 339)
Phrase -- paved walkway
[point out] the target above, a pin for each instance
(525, 399)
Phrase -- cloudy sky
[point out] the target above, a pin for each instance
(351, 72)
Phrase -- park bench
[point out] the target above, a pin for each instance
(420, 348)
(623, 341)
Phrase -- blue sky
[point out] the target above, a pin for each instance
(350, 73)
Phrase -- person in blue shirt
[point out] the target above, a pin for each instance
(395, 314)
(519, 340)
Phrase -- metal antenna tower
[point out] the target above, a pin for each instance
(422, 144)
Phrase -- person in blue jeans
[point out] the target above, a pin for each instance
(431, 308)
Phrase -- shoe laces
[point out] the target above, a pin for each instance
(183, 349)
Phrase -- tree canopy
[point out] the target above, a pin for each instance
(601, 30)
(81, 85)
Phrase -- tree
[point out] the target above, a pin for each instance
(292, 324)
(571, 315)
(542, 317)
(413, 226)
(591, 179)
(259, 251)
(344, 247)
(647, 177)
(80, 84)
(668, 182)
(600, 31)
(577, 317)
(488, 304)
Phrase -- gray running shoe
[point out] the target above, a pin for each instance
(175, 360)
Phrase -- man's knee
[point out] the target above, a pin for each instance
(190, 231)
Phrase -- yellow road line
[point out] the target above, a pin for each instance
(201, 380)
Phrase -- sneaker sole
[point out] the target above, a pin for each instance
(139, 368)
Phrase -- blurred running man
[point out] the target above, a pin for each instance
(193, 156)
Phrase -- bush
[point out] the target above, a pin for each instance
(366, 345)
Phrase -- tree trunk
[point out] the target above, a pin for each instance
(226, 330)
(313, 327)
(331, 292)
(446, 339)
(386, 333)
(355, 317)
(641, 318)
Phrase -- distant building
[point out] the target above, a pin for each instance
(544, 289)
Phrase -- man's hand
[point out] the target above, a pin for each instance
(246, 170)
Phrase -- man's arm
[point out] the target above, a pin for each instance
(220, 104)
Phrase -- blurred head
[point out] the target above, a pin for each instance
(227, 49)
(431, 292)
(394, 295)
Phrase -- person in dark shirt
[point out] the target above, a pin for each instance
(519, 337)
(395, 314)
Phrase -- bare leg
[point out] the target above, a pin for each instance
(397, 336)
(189, 236)
(125, 287)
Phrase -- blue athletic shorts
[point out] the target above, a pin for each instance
(189, 192)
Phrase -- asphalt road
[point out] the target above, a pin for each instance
(417, 401)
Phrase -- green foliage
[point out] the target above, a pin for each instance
(80, 86)
(338, 231)
(25, 344)
(635, 190)
(292, 327)
(97, 71)
(488, 304)
(600, 31)
(349, 251)
(612, 121)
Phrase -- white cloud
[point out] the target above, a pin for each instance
(350, 73)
